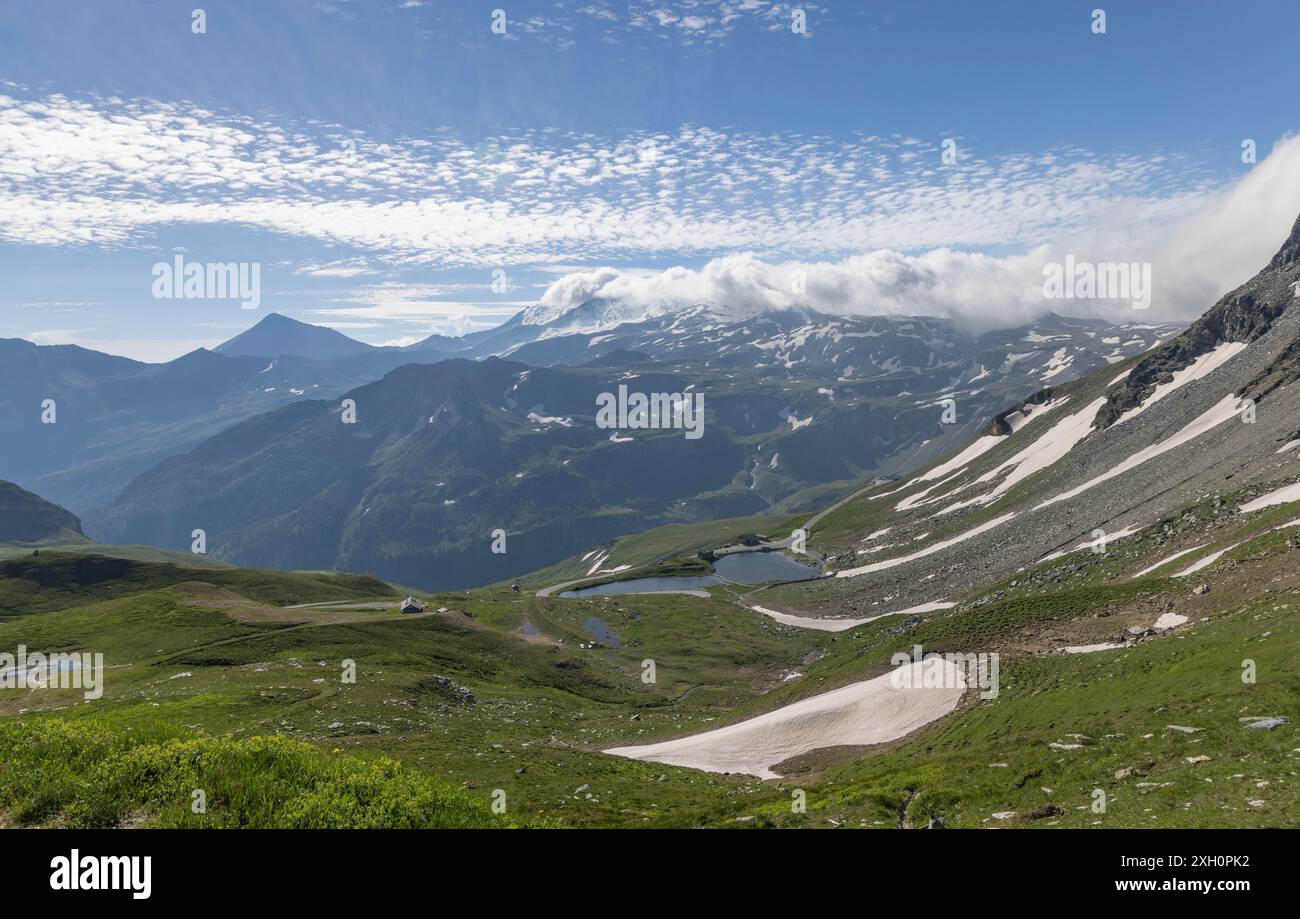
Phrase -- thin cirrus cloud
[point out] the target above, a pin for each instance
(881, 223)
(411, 309)
(700, 23)
(707, 21)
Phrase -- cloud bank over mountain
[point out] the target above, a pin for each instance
(1196, 254)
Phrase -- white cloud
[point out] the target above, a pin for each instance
(418, 305)
(1199, 251)
(878, 223)
(341, 268)
(698, 22)
(56, 336)
(112, 173)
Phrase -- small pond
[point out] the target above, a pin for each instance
(757, 567)
(738, 568)
(599, 628)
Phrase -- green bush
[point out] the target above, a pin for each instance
(88, 774)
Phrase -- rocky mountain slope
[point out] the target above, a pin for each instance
(115, 418)
(850, 348)
(444, 455)
(1101, 458)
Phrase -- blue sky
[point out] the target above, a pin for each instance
(380, 159)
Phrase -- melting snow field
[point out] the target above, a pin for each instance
(1089, 649)
(1205, 562)
(808, 622)
(842, 625)
(535, 418)
(977, 449)
(1017, 420)
(928, 550)
(1226, 408)
(1202, 366)
(1284, 495)
(918, 499)
(1047, 449)
(1059, 440)
(1092, 543)
(1166, 561)
(1168, 621)
(600, 560)
(871, 712)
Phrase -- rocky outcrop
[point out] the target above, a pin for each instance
(1243, 315)
(998, 427)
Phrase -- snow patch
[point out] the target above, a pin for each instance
(870, 712)
(1284, 495)
(928, 550)
(1089, 649)
(549, 419)
(1205, 562)
(1226, 408)
(1048, 449)
(1166, 561)
(1202, 366)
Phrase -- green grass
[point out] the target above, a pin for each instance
(1122, 702)
(541, 711)
(134, 553)
(92, 774)
(685, 567)
(56, 580)
(189, 666)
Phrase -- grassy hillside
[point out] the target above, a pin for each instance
(27, 520)
(55, 580)
(88, 774)
(996, 758)
(134, 553)
(212, 678)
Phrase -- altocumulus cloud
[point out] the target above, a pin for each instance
(877, 224)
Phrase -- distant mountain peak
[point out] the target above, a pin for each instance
(277, 335)
(1289, 254)
(271, 320)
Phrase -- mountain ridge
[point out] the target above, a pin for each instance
(26, 519)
